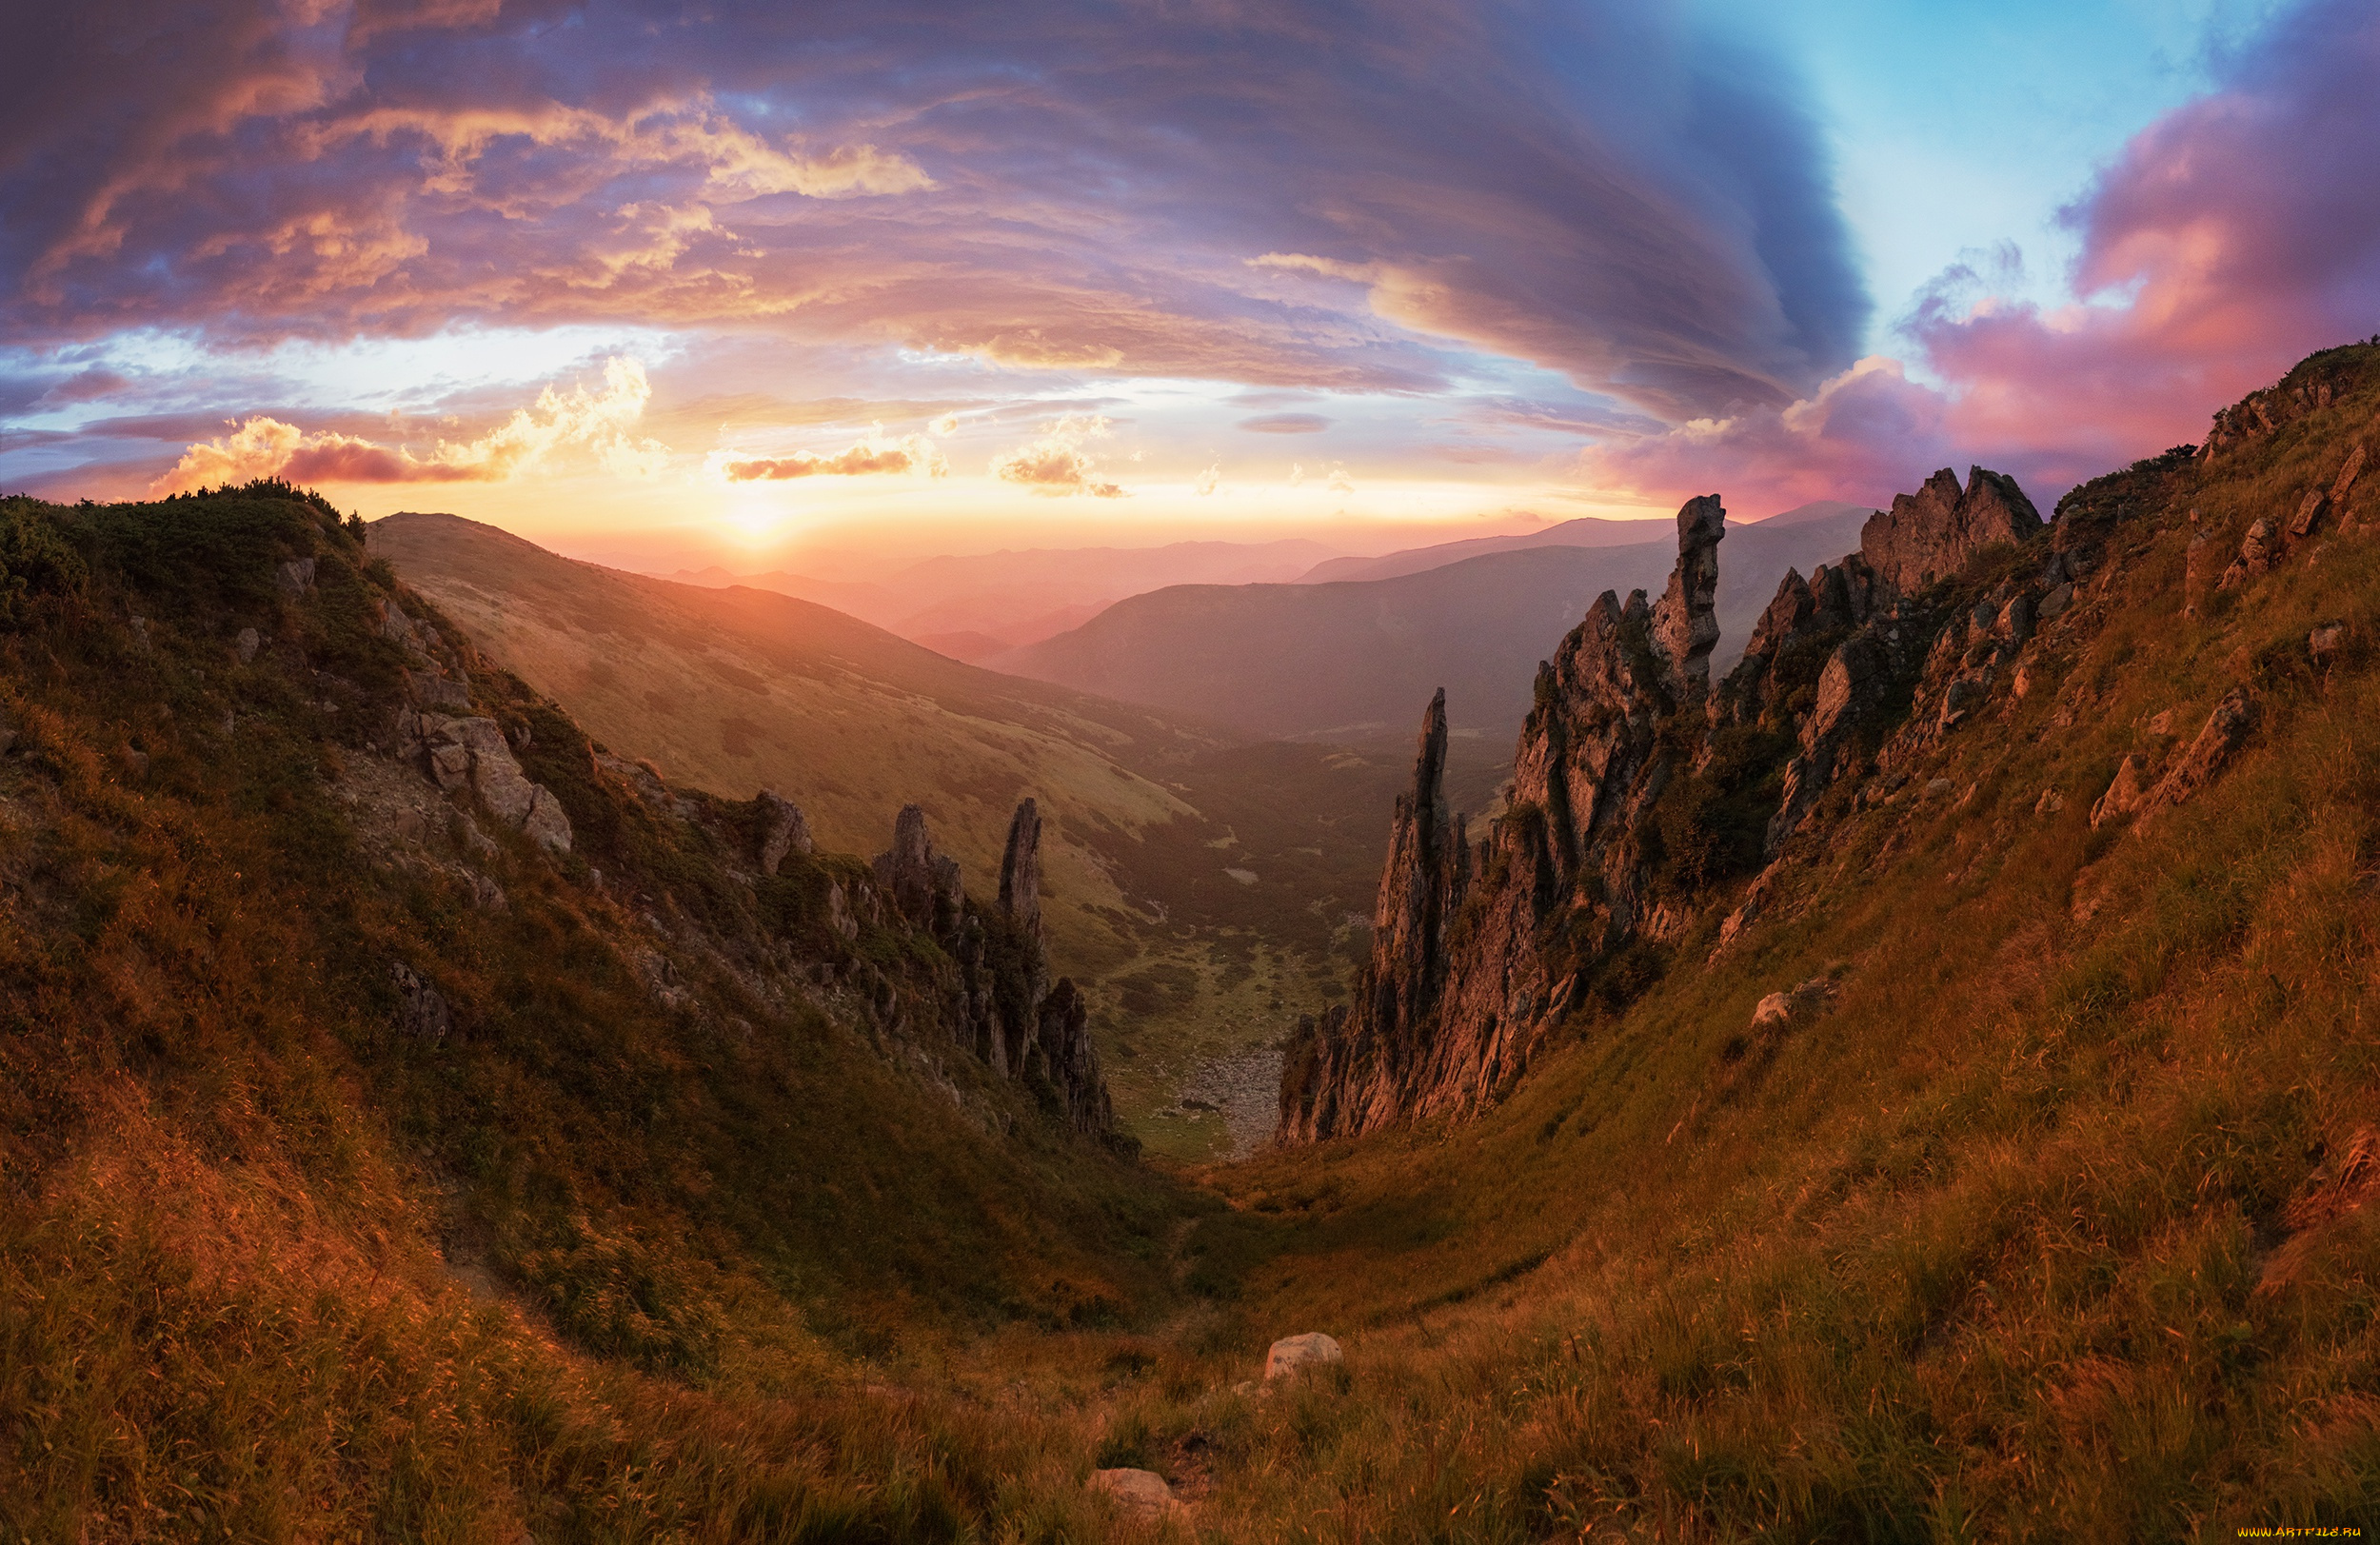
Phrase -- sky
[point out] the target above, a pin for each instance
(748, 283)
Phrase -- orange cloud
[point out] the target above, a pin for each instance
(1056, 463)
(599, 422)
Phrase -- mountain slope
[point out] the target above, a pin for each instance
(738, 690)
(1149, 824)
(420, 1125)
(1351, 659)
(1997, 1159)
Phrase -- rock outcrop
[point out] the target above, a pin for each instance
(999, 1003)
(472, 752)
(1930, 534)
(1643, 794)
(783, 830)
(1440, 1024)
(1685, 622)
(1020, 868)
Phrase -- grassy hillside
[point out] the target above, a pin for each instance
(2046, 1215)
(2056, 1224)
(280, 1258)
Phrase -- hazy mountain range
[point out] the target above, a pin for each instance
(1354, 657)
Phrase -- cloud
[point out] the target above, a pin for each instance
(1286, 424)
(914, 453)
(1056, 463)
(598, 421)
(2229, 239)
(1208, 480)
(1056, 186)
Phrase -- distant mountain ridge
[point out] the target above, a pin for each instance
(1348, 659)
(1586, 531)
(1020, 596)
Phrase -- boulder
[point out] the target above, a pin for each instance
(1294, 1355)
(247, 645)
(1775, 1009)
(1140, 1491)
(294, 577)
(2323, 643)
(421, 1011)
(2226, 728)
(2124, 794)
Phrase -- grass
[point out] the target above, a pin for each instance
(2056, 1224)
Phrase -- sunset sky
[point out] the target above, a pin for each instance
(739, 283)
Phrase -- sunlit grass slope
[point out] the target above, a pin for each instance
(599, 1261)
(2058, 1225)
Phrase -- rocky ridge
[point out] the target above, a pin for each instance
(460, 749)
(1649, 808)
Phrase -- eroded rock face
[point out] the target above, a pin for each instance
(1685, 624)
(998, 1001)
(1930, 534)
(473, 751)
(1020, 868)
(1629, 762)
(1436, 1028)
(783, 830)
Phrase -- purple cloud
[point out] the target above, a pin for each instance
(1286, 424)
(1308, 193)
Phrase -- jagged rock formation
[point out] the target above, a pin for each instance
(1463, 982)
(1685, 624)
(1642, 794)
(1020, 868)
(999, 1003)
(1930, 534)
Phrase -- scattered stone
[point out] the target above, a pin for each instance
(1938, 787)
(1294, 1355)
(1141, 1492)
(294, 577)
(2052, 605)
(2050, 802)
(247, 645)
(2124, 794)
(1775, 1009)
(135, 761)
(422, 1012)
(2199, 766)
(2323, 643)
